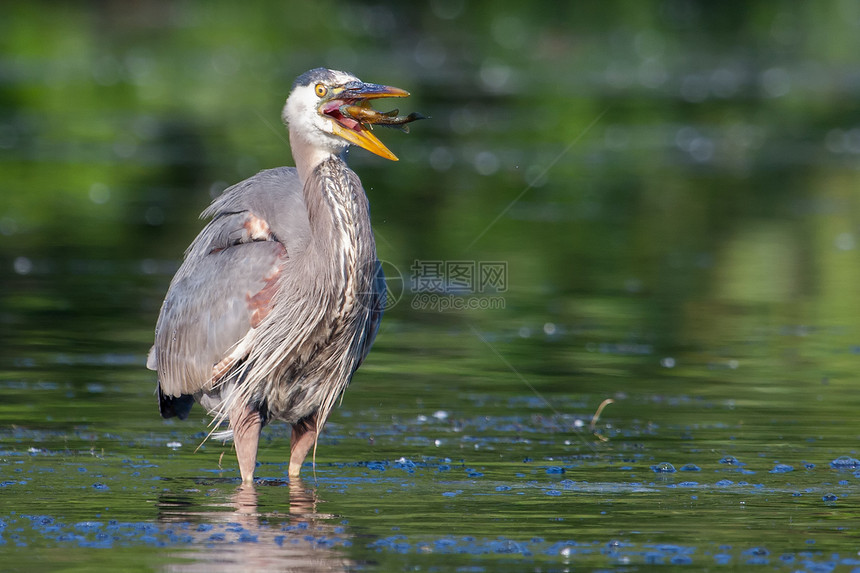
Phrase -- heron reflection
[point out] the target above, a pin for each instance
(229, 532)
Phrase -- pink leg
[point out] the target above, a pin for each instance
(246, 425)
(303, 438)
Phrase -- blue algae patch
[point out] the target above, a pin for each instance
(508, 546)
(113, 533)
(654, 558)
(452, 493)
(663, 468)
(555, 470)
(829, 497)
(669, 548)
(724, 483)
(405, 464)
(503, 488)
(553, 492)
(757, 551)
(395, 543)
(845, 463)
(561, 548)
(781, 469)
(689, 468)
(757, 556)
(98, 534)
(88, 526)
(445, 543)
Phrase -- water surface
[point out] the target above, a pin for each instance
(661, 197)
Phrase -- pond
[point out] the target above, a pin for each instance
(623, 264)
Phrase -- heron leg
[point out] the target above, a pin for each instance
(303, 438)
(246, 425)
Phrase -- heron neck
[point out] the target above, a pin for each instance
(339, 217)
(307, 156)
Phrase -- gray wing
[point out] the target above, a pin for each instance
(224, 286)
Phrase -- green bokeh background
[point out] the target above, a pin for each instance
(673, 186)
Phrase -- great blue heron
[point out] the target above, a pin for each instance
(279, 297)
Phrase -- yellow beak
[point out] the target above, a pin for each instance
(364, 138)
(359, 134)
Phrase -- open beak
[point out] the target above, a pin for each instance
(349, 108)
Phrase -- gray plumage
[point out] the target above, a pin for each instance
(279, 297)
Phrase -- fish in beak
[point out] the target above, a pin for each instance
(348, 106)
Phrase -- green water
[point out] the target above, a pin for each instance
(665, 195)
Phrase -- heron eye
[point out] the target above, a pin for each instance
(321, 90)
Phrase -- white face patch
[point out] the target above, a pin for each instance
(300, 112)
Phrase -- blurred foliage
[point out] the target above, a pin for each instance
(672, 184)
(639, 162)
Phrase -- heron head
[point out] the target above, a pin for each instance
(331, 110)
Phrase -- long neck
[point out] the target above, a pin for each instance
(341, 254)
(306, 156)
